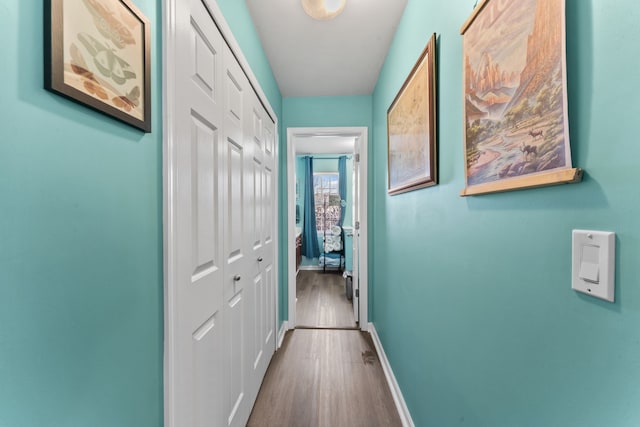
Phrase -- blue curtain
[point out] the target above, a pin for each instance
(310, 247)
(342, 186)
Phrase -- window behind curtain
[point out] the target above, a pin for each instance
(327, 200)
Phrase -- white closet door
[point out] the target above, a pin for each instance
(238, 292)
(222, 286)
(269, 240)
(199, 323)
(259, 131)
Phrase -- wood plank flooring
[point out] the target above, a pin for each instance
(322, 301)
(325, 378)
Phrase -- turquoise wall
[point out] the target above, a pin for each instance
(472, 297)
(330, 111)
(81, 247)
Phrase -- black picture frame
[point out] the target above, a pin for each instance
(104, 60)
(412, 154)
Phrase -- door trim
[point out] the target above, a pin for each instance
(362, 143)
(169, 196)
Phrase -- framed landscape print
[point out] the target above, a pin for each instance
(516, 132)
(97, 53)
(411, 128)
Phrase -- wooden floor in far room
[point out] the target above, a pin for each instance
(325, 378)
(322, 301)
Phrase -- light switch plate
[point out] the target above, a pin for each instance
(593, 263)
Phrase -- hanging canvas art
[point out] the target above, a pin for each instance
(515, 97)
(97, 53)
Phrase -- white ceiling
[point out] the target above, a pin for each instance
(339, 57)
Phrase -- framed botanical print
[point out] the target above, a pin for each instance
(97, 53)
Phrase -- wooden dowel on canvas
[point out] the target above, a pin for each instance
(567, 176)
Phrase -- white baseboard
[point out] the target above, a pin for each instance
(398, 399)
(283, 328)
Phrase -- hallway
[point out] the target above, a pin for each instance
(327, 372)
(469, 300)
(321, 378)
(322, 302)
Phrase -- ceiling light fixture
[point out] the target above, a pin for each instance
(323, 10)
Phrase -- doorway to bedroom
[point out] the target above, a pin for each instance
(324, 214)
(326, 169)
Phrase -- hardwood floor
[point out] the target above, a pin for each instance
(322, 301)
(325, 378)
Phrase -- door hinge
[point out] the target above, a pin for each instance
(357, 157)
(357, 293)
(357, 226)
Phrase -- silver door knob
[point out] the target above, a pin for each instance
(236, 278)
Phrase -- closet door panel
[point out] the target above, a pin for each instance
(235, 204)
(259, 310)
(267, 232)
(198, 330)
(237, 208)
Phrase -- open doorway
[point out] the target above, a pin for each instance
(324, 218)
(339, 265)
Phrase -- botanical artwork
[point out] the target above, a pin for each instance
(103, 53)
(515, 91)
(97, 54)
(411, 132)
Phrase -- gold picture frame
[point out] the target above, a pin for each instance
(516, 132)
(411, 128)
(97, 53)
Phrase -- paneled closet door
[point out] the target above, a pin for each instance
(222, 285)
(237, 207)
(199, 321)
(260, 139)
(269, 240)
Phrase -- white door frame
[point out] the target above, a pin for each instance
(169, 196)
(361, 135)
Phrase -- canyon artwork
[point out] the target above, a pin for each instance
(515, 91)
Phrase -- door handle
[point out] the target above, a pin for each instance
(236, 278)
(259, 259)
